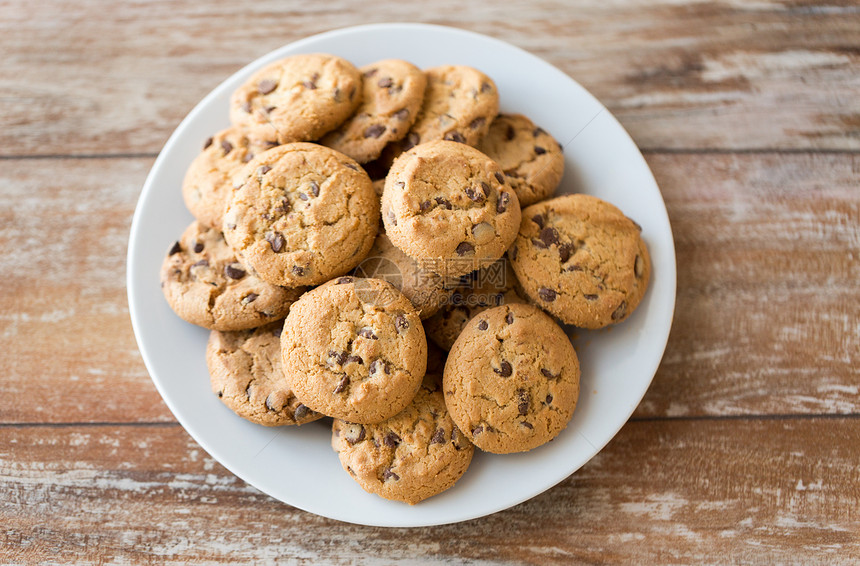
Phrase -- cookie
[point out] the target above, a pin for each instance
(299, 98)
(459, 104)
(580, 259)
(305, 214)
(531, 158)
(393, 91)
(247, 375)
(486, 288)
(449, 204)
(354, 349)
(209, 180)
(512, 379)
(206, 285)
(426, 290)
(414, 455)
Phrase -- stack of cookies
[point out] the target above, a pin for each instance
(349, 214)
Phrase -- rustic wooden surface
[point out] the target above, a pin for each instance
(746, 449)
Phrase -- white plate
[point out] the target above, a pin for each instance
(297, 465)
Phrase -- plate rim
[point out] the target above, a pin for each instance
(246, 70)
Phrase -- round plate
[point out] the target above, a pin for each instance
(298, 465)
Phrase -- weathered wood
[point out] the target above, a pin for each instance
(100, 77)
(766, 319)
(683, 491)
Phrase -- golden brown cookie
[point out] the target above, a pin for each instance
(414, 455)
(206, 285)
(579, 258)
(491, 286)
(448, 203)
(426, 290)
(246, 373)
(531, 158)
(298, 98)
(305, 214)
(209, 180)
(354, 349)
(512, 379)
(392, 94)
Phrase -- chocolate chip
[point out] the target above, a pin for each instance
(527, 425)
(343, 280)
(392, 218)
(548, 399)
(276, 241)
(504, 200)
(477, 430)
(482, 325)
(411, 140)
(565, 251)
(391, 440)
(374, 131)
(349, 165)
(549, 236)
(266, 86)
(268, 109)
(475, 194)
(367, 332)
(574, 268)
(220, 394)
(248, 391)
(246, 106)
(269, 405)
(539, 220)
(234, 272)
(547, 374)
(207, 143)
(509, 318)
(485, 87)
(477, 123)
(539, 150)
(388, 474)
(370, 72)
(402, 114)
(523, 405)
(277, 331)
(226, 146)
(250, 298)
(384, 82)
(283, 207)
(311, 85)
(337, 357)
(500, 178)
(303, 196)
(400, 323)
(620, 312)
(438, 436)
(505, 369)
(465, 248)
(354, 433)
(247, 157)
(380, 365)
(341, 386)
(509, 133)
(591, 297)
(201, 263)
(300, 412)
(538, 243)
(455, 136)
(547, 295)
(513, 253)
(425, 206)
(639, 266)
(538, 131)
(445, 203)
(175, 248)
(354, 359)
(298, 270)
(336, 94)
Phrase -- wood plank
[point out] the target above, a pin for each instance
(97, 77)
(682, 491)
(766, 319)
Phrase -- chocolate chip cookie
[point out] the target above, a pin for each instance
(531, 158)
(414, 455)
(512, 379)
(491, 286)
(354, 349)
(449, 203)
(209, 180)
(247, 375)
(579, 258)
(305, 214)
(459, 104)
(298, 98)
(206, 285)
(392, 94)
(426, 290)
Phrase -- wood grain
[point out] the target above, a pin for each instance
(700, 491)
(98, 77)
(766, 320)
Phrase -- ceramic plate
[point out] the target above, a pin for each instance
(297, 465)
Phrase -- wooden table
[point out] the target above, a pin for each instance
(746, 447)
